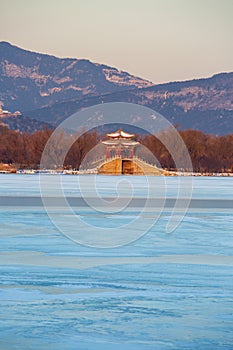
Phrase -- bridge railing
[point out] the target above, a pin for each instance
(92, 167)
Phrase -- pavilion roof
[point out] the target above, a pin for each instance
(122, 142)
(120, 134)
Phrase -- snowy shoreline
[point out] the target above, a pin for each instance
(93, 172)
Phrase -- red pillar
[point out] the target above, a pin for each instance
(107, 152)
(132, 152)
(118, 152)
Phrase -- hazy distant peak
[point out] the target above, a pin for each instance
(54, 88)
(35, 80)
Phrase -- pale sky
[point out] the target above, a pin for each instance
(159, 40)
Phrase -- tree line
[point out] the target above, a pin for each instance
(208, 153)
(23, 150)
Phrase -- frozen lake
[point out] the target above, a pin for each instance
(158, 290)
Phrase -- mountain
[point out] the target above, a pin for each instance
(49, 89)
(201, 104)
(30, 80)
(24, 124)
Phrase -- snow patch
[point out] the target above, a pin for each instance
(122, 78)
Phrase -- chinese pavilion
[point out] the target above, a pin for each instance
(120, 156)
(120, 144)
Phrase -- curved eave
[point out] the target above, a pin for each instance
(120, 134)
(120, 143)
(111, 143)
(126, 135)
(133, 143)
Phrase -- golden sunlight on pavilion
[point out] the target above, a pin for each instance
(120, 156)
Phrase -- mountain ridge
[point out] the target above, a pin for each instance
(54, 88)
(195, 104)
(36, 80)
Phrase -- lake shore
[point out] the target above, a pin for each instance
(11, 169)
(86, 172)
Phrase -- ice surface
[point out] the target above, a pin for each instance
(162, 291)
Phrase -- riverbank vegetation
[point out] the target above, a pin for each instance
(23, 150)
